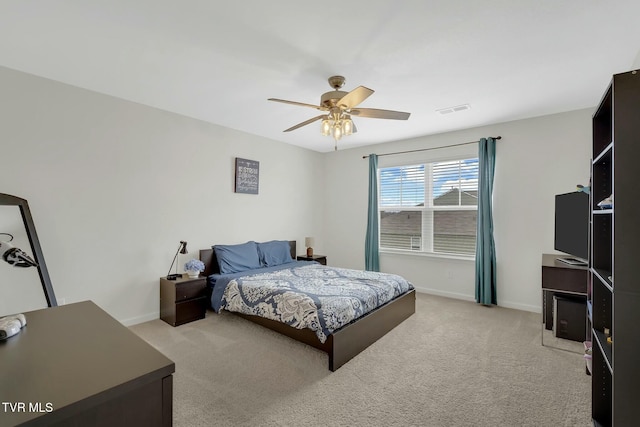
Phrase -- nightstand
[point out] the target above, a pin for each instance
(183, 300)
(322, 259)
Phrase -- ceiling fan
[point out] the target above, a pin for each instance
(338, 107)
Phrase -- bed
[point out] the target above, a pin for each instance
(372, 318)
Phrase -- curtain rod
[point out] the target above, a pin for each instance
(433, 148)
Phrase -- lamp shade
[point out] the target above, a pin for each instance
(308, 242)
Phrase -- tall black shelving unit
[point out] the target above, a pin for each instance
(614, 306)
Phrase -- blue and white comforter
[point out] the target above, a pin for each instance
(307, 295)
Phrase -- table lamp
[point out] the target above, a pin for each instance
(182, 249)
(308, 242)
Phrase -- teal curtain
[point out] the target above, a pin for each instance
(371, 251)
(485, 245)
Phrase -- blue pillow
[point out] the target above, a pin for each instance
(237, 258)
(274, 253)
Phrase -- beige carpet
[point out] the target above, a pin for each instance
(453, 363)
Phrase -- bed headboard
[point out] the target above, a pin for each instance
(208, 257)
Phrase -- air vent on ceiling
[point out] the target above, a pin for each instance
(455, 109)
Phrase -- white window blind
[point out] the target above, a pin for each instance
(430, 207)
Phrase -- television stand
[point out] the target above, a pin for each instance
(572, 261)
(563, 280)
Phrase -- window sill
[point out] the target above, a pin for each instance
(428, 254)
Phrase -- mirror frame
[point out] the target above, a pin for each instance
(9, 200)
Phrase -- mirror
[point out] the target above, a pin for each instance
(19, 285)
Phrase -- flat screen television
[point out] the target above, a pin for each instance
(572, 227)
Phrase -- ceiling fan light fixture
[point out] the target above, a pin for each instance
(337, 132)
(326, 127)
(338, 106)
(347, 126)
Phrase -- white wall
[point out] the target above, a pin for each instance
(636, 62)
(536, 159)
(113, 186)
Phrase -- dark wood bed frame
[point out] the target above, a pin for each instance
(346, 342)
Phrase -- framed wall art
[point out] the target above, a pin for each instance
(247, 176)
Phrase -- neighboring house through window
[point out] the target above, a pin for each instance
(429, 207)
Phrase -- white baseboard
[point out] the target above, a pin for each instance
(440, 293)
(472, 298)
(522, 307)
(140, 319)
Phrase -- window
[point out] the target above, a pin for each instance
(431, 207)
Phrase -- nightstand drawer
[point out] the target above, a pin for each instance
(190, 289)
(191, 310)
(322, 259)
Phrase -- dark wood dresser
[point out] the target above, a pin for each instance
(74, 365)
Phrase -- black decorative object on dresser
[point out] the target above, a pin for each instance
(30, 231)
(182, 300)
(322, 259)
(614, 306)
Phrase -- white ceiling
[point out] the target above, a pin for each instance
(220, 61)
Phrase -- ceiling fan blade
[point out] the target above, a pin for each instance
(306, 122)
(380, 114)
(355, 97)
(302, 104)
